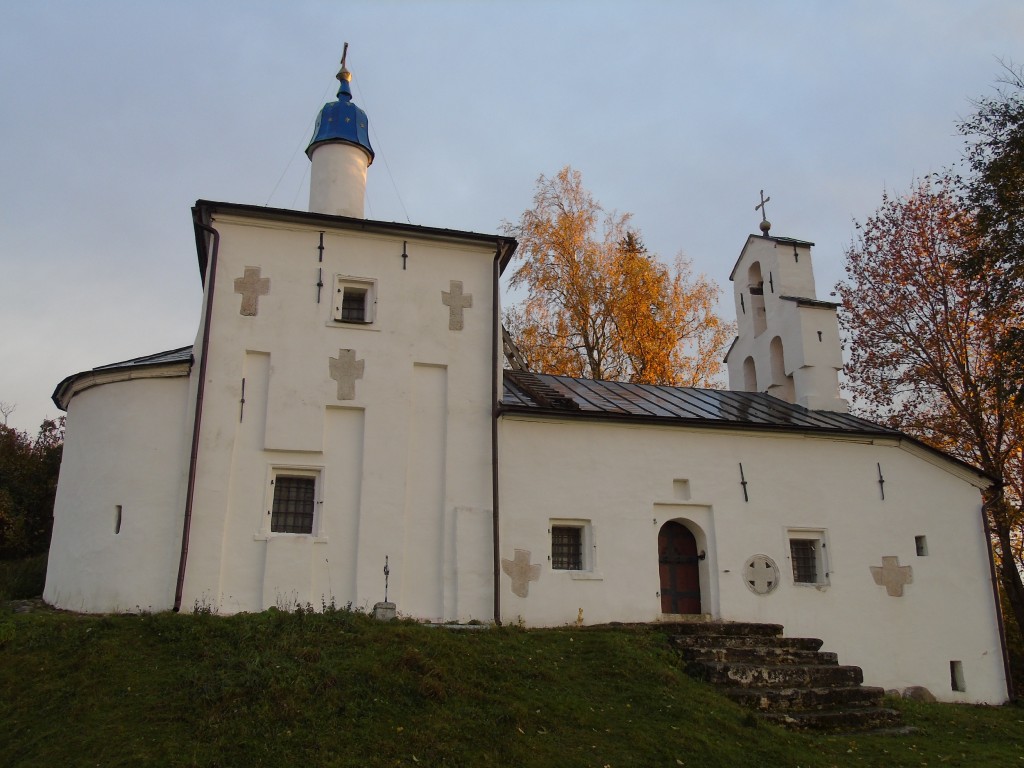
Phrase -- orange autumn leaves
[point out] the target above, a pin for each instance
(598, 305)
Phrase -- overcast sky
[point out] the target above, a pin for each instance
(116, 116)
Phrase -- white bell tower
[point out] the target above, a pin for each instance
(788, 341)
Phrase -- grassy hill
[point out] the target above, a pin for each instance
(339, 689)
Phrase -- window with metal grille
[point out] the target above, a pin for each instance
(805, 560)
(294, 504)
(353, 305)
(566, 548)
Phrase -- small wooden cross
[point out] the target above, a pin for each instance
(456, 301)
(345, 369)
(251, 286)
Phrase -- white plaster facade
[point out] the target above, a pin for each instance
(624, 481)
(402, 467)
(393, 416)
(337, 180)
(118, 509)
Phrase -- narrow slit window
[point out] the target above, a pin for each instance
(921, 542)
(294, 504)
(956, 676)
(117, 519)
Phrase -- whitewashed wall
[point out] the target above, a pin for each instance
(125, 446)
(405, 464)
(622, 479)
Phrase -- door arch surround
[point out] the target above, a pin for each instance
(679, 569)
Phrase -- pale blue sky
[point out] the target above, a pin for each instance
(117, 116)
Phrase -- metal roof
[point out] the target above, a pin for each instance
(575, 398)
(203, 210)
(180, 355)
(63, 391)
(342, 121)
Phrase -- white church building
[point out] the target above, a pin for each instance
(345, 406)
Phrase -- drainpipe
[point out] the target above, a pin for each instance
(211, 276)
(495, 395)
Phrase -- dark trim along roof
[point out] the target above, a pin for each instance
(565, 397)
(779, 240)
(816, 303)
(203, 208)
(179, 355)
(170, 357)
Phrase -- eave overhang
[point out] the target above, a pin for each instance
(204, 212)
(171, 364)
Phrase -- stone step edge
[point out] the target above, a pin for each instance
(746, 641)
(836, 719)
(724, 628)
(768, 657)
(817, 699)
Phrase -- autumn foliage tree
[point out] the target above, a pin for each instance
(28, 483)
(995, 193)
(924, 349)
(598, 305)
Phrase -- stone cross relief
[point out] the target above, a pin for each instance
(761, 575)
(456, 301)
(251, 286)
(521, 572)
(892, 576)
(345, 369)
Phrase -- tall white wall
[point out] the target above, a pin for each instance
(125, 449)
(405, 464)
(627, 481)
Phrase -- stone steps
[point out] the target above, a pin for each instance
(759, 655)
(788, 681)
(805, 699)
(863, 719)
(745, 641)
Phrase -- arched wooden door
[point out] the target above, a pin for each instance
(678, 567)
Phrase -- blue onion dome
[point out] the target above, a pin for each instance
(341, 120)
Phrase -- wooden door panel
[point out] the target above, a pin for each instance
(678, 568)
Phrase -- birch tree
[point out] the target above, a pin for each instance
(598, 305)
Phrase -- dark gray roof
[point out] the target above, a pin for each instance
(203, 209)
(180, 355)
(575, 398)
(62, 392)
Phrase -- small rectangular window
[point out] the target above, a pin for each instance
(353, 305)
(808, 556)
(294, 504)
(566, 548)
(921, 542)
(805, 560)
(354, 299)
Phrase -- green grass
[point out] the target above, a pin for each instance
(340, 689)
(22, 579)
